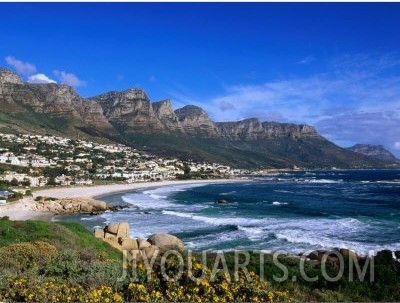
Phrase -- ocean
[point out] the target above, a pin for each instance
(292, 212)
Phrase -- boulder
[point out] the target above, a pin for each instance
(112, 228)
(317, 255)
(67, 207)
(99, 233)
(129, 244)
(86, 208)
(134, 254)
(166, 241)
(143, 243)
(148, 252)
(222, 201)
(123, 230)
(99, 205)
(348, 253)
(109, 236)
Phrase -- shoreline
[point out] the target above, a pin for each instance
(23, 209)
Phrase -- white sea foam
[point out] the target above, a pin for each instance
(228, 193)
(323, 181)
(283, 191)
(279, 203)
(253, 233)
(177, 214)
(147, 202)
(88, 218)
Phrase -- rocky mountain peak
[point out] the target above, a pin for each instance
(8, 76)
(134, 94)
(376, 151)
(165, 113)
(195, 121)
(55, 98)
(163, 106)
(131, 110)
(191, 111)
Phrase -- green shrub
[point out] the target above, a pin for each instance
(20, 257)
(84, 267)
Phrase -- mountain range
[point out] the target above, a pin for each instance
(188, 133)
(376, 151)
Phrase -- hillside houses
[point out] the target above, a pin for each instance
(61, 161)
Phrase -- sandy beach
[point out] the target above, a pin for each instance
(24, 209)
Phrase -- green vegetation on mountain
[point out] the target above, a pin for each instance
(268, 153)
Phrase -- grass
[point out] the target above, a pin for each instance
(62, 235)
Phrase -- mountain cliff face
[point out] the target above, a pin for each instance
(56, 101)
(376, 151)
(196, 122)
(165, 113)
(189, 133)
(9, 77)
(130, 110)
(253, 129)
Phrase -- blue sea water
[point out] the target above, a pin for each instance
(292, 212)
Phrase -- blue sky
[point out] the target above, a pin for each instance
(335, 66)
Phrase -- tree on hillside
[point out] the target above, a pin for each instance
(14, 182)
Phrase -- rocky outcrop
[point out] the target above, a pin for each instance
(131, 110)
(59, 101)
(165, 113)
(335, 256)
(166, 241)
(93, 115)
(118, 236)
(253, 129)
(196, 122)
(249, 129)
(376, 151)
(68, 206)
(9, 77)
(10, 83)
(275, 129)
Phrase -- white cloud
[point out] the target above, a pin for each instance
(21, 67)
(397, 145)
(224, 106)
(69, 79)
(40, 78)
(306, 60)
(355, 101)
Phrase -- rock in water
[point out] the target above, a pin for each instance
(222, 201)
